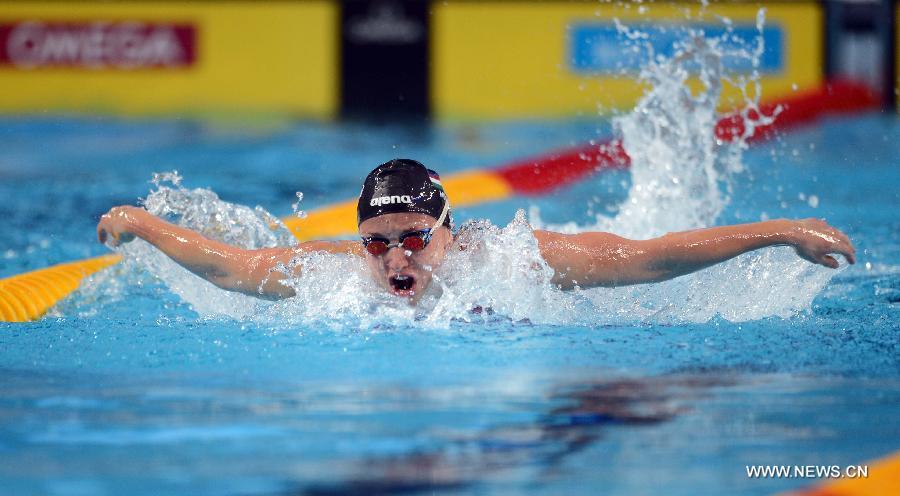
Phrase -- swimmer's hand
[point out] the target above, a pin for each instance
(115, 227)
(816, 241)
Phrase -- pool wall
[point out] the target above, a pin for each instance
(326, 59)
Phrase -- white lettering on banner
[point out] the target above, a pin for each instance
(96, 45)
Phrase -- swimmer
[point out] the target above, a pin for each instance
(405, 233)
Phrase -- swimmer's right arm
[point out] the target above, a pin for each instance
(228, 267)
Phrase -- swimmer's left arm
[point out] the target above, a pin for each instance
(252, 272)
(603, 259)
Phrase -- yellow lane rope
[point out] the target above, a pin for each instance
(28, 296)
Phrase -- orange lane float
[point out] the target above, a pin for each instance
(28, 296)
(882, 479)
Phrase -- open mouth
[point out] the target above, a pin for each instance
(402, 283)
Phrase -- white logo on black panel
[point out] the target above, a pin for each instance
(385, 23)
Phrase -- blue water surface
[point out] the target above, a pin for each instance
(146, 397)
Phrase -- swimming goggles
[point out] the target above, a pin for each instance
(411, 241)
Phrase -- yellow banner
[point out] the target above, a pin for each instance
(170, 57)
(503, 59)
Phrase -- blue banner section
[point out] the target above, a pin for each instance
(603, 49)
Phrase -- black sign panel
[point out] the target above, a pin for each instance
(384, 59)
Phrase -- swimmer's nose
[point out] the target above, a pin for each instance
(396, 259)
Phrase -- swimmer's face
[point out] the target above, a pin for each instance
(401, 272)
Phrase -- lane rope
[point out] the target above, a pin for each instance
(28, 296)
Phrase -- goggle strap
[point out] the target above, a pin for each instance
(441, 219)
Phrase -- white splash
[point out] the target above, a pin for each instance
(681, 173)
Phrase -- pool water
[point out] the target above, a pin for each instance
(127, 389)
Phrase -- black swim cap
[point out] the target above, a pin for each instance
(401, 185)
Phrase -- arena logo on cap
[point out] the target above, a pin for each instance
(389, 200)
(97, 44)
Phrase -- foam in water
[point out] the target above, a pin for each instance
(681, 176)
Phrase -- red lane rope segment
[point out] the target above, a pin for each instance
(835, 98)
(542, 174)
